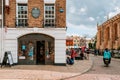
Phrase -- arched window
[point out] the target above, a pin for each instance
(108, 33)
(115, 32)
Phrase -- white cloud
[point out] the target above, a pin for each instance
(82, 9)
(81, 30)
(72, 9)
(113, 13)
(91, 19)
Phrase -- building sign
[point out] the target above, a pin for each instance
(69, 42)
(35, 12)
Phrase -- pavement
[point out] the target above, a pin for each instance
(45, 72)
(99, 72)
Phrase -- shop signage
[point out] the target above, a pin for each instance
(7, 58)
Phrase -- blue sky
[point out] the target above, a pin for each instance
(83, 15)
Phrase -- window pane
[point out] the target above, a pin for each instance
(49, 15)
(22, 15)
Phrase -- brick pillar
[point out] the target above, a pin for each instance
(118, 45)
(98, 39)
(110, 35)
(10, 14)
(113, 36)
(60, 16)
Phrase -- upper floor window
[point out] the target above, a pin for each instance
(49, 15)
(22, 15)
(115, 32)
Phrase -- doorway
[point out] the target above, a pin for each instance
(40, 56)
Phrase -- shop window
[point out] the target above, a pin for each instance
(26, 50)
(22, 15)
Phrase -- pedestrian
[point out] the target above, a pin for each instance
(69, 60)
(87, 51)
(95, 52)
(73, 54)
(81, 55)
(67, 51)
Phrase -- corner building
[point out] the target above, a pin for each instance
(36, 31)
(108, 35)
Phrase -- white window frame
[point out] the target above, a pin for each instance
(49, 1)
(17, 14)
(48, 17)
(21, 1)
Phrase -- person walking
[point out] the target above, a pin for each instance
(87, 53)
(73, 54)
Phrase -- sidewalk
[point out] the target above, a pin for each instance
(45, 72)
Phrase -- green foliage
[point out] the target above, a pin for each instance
(90, 45)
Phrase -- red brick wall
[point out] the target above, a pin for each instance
(10, 14)
(60, 17)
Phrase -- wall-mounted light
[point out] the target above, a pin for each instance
(7, 10)
(61, 10)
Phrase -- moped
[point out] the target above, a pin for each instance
(107, 62)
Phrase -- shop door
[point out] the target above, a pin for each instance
(40, 56)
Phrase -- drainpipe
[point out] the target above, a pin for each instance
(2, 34)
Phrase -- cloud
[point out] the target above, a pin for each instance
(81, 29)
(113, 13)
(91, 19)
(83, 15)
(82, 9)
(72, 10)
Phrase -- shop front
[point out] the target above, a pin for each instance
(36, 48)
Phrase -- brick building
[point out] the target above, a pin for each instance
(75, 41)
(36, 31)
(108, 35)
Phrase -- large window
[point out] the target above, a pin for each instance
(22, 15)
(116, 32)
(49, 15)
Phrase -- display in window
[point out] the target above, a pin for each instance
(31, 51)
(23, 49)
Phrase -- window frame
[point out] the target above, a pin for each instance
(22, 14)
(49, 11)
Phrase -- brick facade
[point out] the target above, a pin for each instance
(32, 22)
(108, 35)
(10, 14)
(60, 17)
(50, 38)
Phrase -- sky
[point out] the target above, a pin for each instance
(83, 15)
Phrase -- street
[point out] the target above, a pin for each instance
(99, 72)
